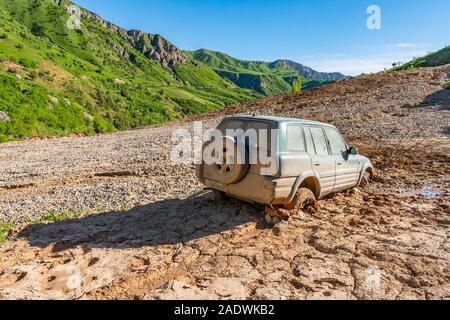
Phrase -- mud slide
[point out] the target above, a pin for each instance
(138, 227)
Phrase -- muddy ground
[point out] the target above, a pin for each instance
(145, 229)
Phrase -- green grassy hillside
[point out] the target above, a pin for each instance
(56, 81)
(264, 77)
(434, 59)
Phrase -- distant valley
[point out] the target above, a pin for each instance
(267, 78)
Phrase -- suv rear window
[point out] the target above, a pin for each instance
(245, 125)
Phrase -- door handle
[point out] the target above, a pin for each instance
(339, 163)
(317, 164)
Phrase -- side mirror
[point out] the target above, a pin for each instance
(353, 151)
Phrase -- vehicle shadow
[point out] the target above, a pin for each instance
(446, 131)
(166, 222)
(440, 98)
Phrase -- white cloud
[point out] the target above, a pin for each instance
(406, 45)
(351, 66)
(356, 65)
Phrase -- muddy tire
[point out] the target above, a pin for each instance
(219, 196)
(303, 200)
(365, 180)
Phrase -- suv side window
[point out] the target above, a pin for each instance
(295, 138)
(337, 146)
(309, 142)
(319, 141)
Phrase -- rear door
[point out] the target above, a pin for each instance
(346, 164)
(323, 164)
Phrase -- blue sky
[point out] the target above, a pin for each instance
(328, 35)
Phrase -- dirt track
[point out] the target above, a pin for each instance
(147, 233)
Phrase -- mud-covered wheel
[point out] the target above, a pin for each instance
(365, 180)
(303, 200)
(219, 196)
(231, 165)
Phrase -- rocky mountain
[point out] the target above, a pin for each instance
(153, 46)
(157, 48)
(57, 79)
(307, 72)
(268, 78)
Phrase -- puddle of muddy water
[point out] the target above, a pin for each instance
(427, 192)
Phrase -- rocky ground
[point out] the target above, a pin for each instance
(146, 229)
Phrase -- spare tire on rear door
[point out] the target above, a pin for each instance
(230, 161)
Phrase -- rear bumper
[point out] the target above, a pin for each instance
(261, 189)
(256, 188)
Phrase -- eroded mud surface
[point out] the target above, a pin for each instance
(149, 231)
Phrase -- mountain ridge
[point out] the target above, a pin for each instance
(153, 46)
(310, 73)
(57, 81)
(268, 78)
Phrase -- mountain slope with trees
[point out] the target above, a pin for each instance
(55, 80)
(434, 59)
(268, 78)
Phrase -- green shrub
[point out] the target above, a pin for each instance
(37, 30)
(101, 125)
(27, 63)
(3, 138)
(297, 85)
(33, 74)
(4, 230)
(3, 35)
(448, 86)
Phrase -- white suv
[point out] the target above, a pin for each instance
(308, 160)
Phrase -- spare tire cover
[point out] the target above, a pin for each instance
(227, 169)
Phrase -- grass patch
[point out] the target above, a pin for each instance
(4, 230)
(56, 216)
(52, 216)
